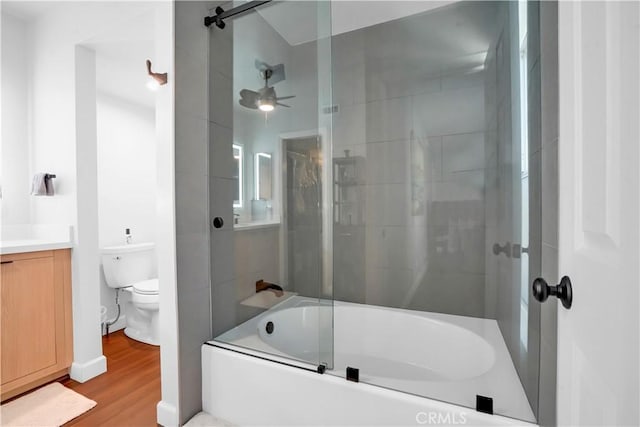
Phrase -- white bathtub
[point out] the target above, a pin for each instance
(448, 358)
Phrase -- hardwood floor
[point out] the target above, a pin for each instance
(128, 392)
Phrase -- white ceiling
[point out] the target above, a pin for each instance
(398, 40)
(374, 12)
(120, 61)
(120, 53)
(28, 10)
(121, 71)
(296, 21)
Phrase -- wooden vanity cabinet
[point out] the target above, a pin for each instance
(35, 321)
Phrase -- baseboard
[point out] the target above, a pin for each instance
(83, 372)
(167, 415)
(120, 324)
(10, 390)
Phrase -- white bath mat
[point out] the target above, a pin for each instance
(49, 406)
(203, 419)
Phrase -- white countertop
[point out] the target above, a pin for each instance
(33, 238)
(31, 245)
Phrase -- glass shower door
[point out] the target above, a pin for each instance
(432, 250)
(272, 295)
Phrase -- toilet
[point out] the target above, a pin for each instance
(132, 269)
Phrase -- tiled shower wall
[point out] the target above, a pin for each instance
(192, 128)
(420, 244)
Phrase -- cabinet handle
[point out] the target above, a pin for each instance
(6, 262)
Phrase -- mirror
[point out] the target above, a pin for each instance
(238, 159)
(263, 174)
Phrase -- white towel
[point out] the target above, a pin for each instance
(41, 186)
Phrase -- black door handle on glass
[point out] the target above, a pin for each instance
(563, 291)
(506, 249)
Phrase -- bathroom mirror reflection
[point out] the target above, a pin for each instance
(238, 158)
(264, 176)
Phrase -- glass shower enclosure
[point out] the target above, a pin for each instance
(277, 181)
(381, 181)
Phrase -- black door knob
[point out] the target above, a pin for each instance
(218, 222)
(563, 291)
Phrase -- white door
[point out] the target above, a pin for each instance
(598, 338)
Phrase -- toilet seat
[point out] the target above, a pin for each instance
(146, 287)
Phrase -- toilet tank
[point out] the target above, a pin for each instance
(127, 264)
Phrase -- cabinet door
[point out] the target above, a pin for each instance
(28, 318)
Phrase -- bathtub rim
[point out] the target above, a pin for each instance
(213, 388)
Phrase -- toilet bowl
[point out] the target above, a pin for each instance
(142, 315)
(131, 268)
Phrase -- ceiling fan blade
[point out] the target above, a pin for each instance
(249, 98)
(249, 95)
(248, 104)
(283, 105)
(285, 97)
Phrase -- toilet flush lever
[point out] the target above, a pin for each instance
(116, 258)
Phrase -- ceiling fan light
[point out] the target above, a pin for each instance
(266, 106)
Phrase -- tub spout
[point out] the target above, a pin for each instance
(261, 285)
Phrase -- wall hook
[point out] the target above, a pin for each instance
(159, 78)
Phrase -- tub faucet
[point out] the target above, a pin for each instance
(261, 285)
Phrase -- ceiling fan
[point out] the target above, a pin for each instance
(265, 99)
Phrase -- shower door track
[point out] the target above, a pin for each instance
(319, 370)
(222, 14)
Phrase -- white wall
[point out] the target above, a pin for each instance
(60, 104)
(126, 177)
(15, 179)
(62, 89)
(168, 408)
